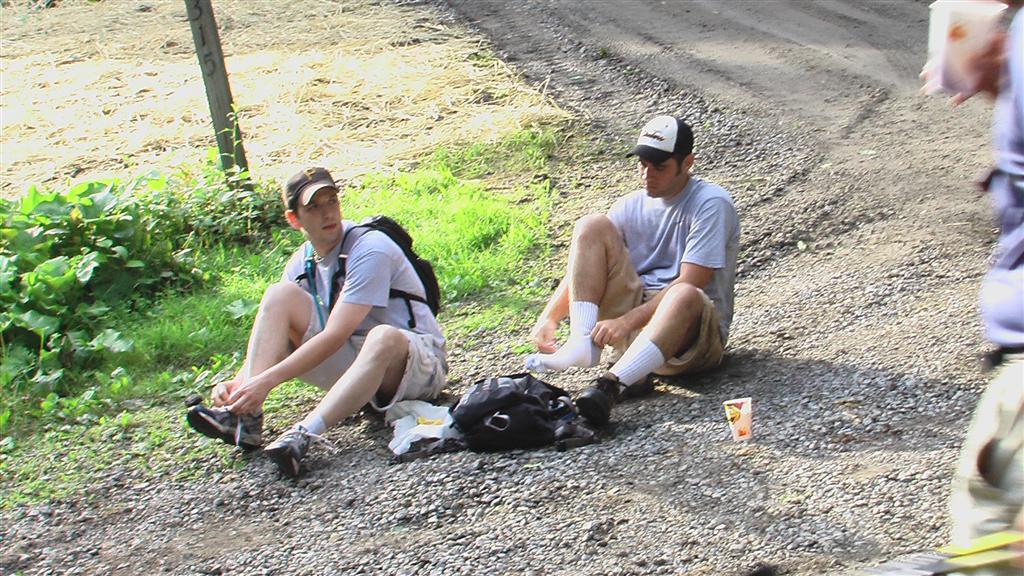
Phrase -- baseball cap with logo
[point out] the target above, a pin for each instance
(662, 137)
(301, 187)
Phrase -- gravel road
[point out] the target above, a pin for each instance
(856, 333)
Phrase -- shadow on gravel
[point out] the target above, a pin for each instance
(819, 408)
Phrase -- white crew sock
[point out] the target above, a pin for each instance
(313, 424)
(578, 350)
(639, 360)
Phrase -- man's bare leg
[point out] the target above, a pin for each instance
(378, 367)
(280, 324)
(594, 240)
(673, 328)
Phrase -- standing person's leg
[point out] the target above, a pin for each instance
(988, 487)
(284, 316)
(596, 276)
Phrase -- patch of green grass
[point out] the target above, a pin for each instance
(523, 153)
(151, 441)
(476, 237)
(183, 329)
(511, 311)
(479, 214)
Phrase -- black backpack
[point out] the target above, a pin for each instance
(516, 411)
(424, 269)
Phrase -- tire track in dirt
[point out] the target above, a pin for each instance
(862, 243)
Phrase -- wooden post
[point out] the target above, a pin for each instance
(215, 77)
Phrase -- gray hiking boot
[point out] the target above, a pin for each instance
(242, 430)
(290, 448)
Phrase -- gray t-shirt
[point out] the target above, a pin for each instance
(375, 265)
(698, 226)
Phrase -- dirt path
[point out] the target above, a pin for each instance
(855, 332)
(863, 238)
(845, 176)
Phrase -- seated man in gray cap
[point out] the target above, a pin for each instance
(349, 315)
(653, 278)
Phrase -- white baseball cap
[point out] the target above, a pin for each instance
(662, 137)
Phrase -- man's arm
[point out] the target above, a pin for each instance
(341, 324)
(613, 329)
(543, 333)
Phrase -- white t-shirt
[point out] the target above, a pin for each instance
(698, 226)
(375, 265)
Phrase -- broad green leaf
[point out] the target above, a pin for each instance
(8, 273)
(47, 381)
(53, 267)
(39, 323)
(87, 265)
(241, 308)
(112, 341)
(95, 310)
(32, 198)
(103, 200)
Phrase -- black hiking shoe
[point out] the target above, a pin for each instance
(640, 389)
(244, 431)
(596, 401)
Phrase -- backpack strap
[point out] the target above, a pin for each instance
(309, 276)
(392, 293)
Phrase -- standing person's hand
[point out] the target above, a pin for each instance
(543, 336)
(987, 65)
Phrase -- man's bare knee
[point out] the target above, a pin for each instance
(286, 302)
(281, 292)
(682, 301)
(385, 343)
(594, 227)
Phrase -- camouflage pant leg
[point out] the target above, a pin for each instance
(983, 502)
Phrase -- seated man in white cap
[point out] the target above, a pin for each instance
(653, 278)
(350, 315)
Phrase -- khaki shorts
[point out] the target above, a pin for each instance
(624, 291)
(425, 368)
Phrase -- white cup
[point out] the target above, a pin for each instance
(957, 29)
(739, 413)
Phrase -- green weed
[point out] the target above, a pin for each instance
(478, 213)
(475, 238)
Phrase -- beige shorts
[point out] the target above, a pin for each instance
(624, 291)
(425, 368)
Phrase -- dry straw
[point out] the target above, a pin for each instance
(113, 89)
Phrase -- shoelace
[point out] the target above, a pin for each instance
(238, 430)
(331, 447)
